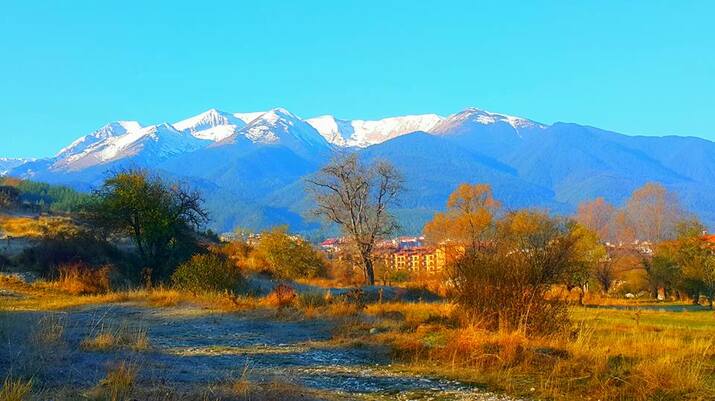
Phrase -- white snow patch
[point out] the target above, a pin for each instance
(363, 133)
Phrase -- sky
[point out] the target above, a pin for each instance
(635, 67)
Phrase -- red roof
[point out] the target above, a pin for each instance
(330, 241)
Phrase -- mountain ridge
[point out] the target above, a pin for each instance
(256, 162)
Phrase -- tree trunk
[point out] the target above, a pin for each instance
(661, 294)
(369, 272)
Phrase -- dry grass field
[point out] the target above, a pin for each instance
(608, 353)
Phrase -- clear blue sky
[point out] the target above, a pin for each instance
(638, 67)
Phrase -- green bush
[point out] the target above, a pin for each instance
(207, 272)
(288, 257)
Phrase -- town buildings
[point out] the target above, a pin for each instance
(401, 254)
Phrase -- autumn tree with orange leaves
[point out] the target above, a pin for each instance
(470, 213)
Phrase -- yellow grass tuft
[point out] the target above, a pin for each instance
(78, 279)
(15, 389)
(49, 331)
(106, 340)
(117, 385)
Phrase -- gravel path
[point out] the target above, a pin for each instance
(191, 348)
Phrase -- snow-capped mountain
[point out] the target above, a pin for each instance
(213, 125)
(248, 117)
(110, 130)
(468, 118)
(9, 163)
(255, 163)
(363, 133)
(281, 127)
(154, 143)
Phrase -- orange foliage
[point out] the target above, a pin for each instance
(470, 211)
(80, 279)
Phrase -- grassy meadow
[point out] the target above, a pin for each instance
(608, 353)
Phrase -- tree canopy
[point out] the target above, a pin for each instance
(159, 217)
(470, 213)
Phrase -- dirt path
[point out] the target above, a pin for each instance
(190, 348)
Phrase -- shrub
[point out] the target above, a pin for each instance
(504, 283)
(238, 252)
(343, 271)
(207, 272)
(288, 257)
(313, 300)
(65, 248)
(356, 297)
(80, 279)
(282, 296)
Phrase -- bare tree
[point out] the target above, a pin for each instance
(654, 212)
(356, 197)
(597, 215)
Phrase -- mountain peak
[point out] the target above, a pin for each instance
(151, 143)
(212, 124)
(274, 125)
(474, 115)
(363, 133)
(281, 127)
(279, 113)
(113, 129)
(160, 128)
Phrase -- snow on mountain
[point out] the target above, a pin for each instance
(266, 155)
(212, 124)
(474, 116)
(110, 130)
(363, 133)
(9, 163)
(248, 117)
(152, 143)
(337, 132)
(279, 126)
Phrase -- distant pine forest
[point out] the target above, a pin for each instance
(40, 197)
